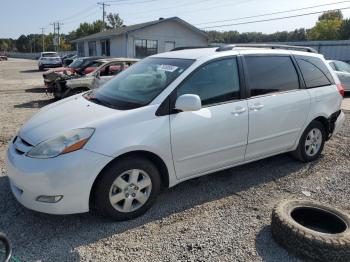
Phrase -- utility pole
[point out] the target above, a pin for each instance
(43, 37)
(34, 42)
(58, 35)
(56, 27)
(103, 12)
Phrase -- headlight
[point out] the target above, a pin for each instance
(68, 142)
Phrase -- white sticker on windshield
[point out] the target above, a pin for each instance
(168, 68)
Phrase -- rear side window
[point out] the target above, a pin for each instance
(214, 83)
(314, 71)
(270, 74)
(343, 67)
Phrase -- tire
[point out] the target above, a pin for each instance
(57, 95)
(120, 169)
(301, 153)
(8, 250)
(41, 68)
(304, 241)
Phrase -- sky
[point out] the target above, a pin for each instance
(28, 16)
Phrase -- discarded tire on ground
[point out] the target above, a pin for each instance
(8, 249)
(311, 230)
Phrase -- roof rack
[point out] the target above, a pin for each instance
(270, 46)
(190, 47)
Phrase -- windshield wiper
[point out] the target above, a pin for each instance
(100, 102)
(90, 97)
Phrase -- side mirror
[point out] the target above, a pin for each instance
(188, 103)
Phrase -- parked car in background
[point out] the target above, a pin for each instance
(77, 68)
(68, 59)
(342, 70)
(49, 60)
(169, 118)
(3, 58)
(101, 75)
(55, 82)
(81, 65)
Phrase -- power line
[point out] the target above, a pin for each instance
(170, 7)
(79, 19)
(78, 13)
(274, 13)
(274, 19)
(128, 3)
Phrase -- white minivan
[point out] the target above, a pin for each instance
(169, 118)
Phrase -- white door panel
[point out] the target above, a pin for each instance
(275, 122)
(210, 138)
(325, 100)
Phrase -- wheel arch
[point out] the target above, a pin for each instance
(154, 158)
(322, 119)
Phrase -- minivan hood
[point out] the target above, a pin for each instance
(67, 114)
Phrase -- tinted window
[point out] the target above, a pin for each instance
(314, 71)
(144, 48)
(269, 74)
(215, 82)
(50, 55)
(343, 67)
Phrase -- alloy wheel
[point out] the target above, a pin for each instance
(130, 190)
(313, 142)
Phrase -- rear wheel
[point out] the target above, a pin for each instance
(126, 189)
(311, 142)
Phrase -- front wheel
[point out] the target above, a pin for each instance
(126, 189)
(311, 142)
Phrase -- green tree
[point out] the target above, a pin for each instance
(327, 27)
(86, 29)
(4, 45)
(23, 44)
(325, 30)
(114, 21)
(331, 15)
(344, 30)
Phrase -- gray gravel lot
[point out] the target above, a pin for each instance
(220, 217)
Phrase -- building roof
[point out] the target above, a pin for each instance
(130, 28)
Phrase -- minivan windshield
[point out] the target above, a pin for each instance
(140, 84)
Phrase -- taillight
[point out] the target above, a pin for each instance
(341, 89)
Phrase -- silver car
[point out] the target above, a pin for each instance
(342, 70)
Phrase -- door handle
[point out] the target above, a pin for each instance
(256, 107)
(239, 110)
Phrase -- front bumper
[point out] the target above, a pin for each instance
(70, 175)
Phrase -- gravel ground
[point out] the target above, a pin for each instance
(220, 217)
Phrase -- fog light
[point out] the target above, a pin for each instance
(49, 199)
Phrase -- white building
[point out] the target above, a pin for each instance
(141, 40)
